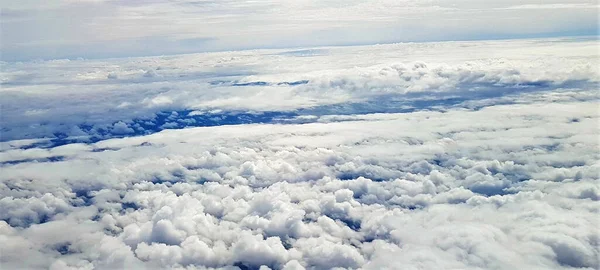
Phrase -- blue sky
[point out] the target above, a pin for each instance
(34, 29)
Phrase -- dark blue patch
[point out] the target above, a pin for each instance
(491, 190)
(252, 84)
(539, 84)
(515, 175)
(245, 266)
(47, 159)
(437, 162)
(53, 143)
(551, 147)
(104, 149)
(352, 224)
(27, 221)
(63, 249)
(294, 83)
(177, 177)
(42, 219)
(306, 219)
(257, 83)
(130, 205)
(83, 198)
(161, 121)
(287, 244)
(411, 207)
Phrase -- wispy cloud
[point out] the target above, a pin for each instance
(127, 28)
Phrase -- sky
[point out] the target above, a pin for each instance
(40, 29)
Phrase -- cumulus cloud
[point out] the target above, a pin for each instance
(443, 192)
(429, 162)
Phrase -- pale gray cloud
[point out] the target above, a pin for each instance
(55, 29)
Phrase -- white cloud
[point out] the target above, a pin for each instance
(133, 28)
(489, 161)
(402, 75)
(250, 195)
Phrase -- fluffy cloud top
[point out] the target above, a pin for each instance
(505, 187)
(476, 155)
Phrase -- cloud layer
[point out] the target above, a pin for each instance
(504, 187)
(105, 28)
(476, 155)
(104, 99)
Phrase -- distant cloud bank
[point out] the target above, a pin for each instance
(34, 29)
